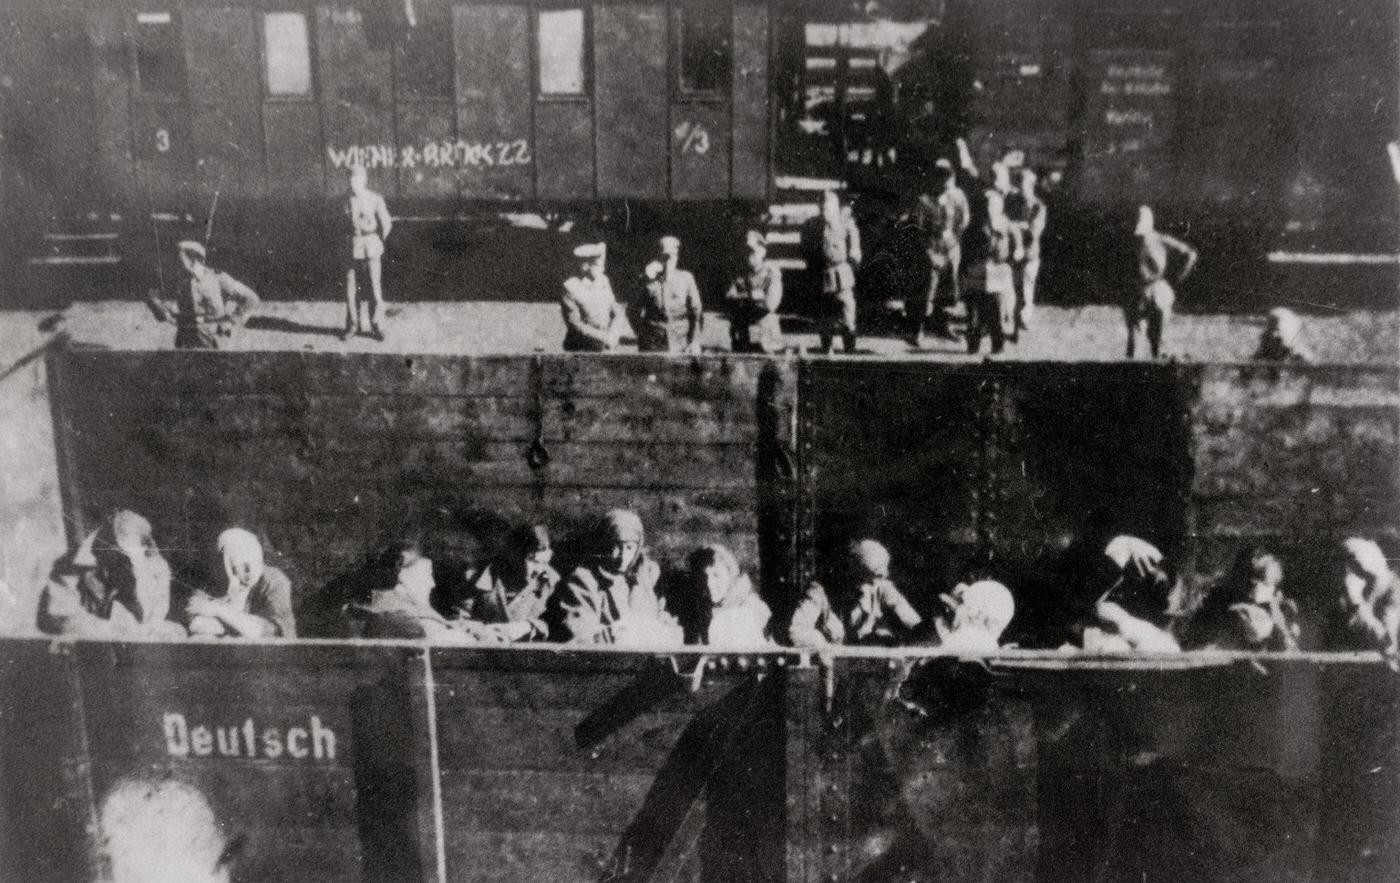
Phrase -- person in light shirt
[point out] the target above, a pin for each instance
(256, 600)
(721, 607)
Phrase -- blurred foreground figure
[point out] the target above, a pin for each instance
(612, 599)
(508, 596)
(721, 607)
(1152, 303)
(1247, 611)
(667, 315)
(370, 225)
(1370, 599)
(1282, 339)
(156, 831)
(116, 585)
(978, 615)
(209, 305)
(257, 601)
(753, 300)
(592, 315)
(858, 604)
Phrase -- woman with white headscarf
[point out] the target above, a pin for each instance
(1370, 599)
(256, 601)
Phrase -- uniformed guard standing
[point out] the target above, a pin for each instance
(840, 251)
(942, 219)
(209, 306)
(370, 225)
(753, 300)
(592, 315)
(667, 314)
(1027, 215)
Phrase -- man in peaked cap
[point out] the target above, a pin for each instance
(592, 315)
(667, 314)
(753, 299)
(206, 308)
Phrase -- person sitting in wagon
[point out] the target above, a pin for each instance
(256, 601)
(1369, 602)
(859, 604)
(507, 597)
(978, 614)
(611, 598)
(719, 605)
(115, 585)
(1247, 610)
(1139, 605)
(405, 610)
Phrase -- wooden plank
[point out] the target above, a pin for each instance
(493, 97)
(529, 857)
(482, 737)
(629, 62)
(527, 801)
(563, 149)
(750, 165)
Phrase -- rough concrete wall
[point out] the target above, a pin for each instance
(1295, 459)
(328, 456)
(31, 519)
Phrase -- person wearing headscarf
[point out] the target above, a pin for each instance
(404, 609)
(720, 606)
(507, 597)
(1282, 341)
(858, 605)
(115, 585)
(611, 599)
(979, 613)
(255, 601)
(1370, 599)
(1247, 611)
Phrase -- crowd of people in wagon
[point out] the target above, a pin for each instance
(1106, 593)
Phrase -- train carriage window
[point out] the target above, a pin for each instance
(560, 34)
(287, 47)
(160, 61)
(704, 50)
(424, 59)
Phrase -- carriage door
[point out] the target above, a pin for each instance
(160, 115)
(226, 133)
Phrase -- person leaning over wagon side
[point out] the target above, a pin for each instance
(1369, 603)
(840, 255)
(719, 606)
(1246, 610)
(115, 585)
(1138, 606)
(666, 313)
(857, 605)
(978, 614)
(753, 300)
(592, 315)
(611, 599)
(1152, 303)
(507, 597)
(208, 306)
(370, 225)
(256, 601)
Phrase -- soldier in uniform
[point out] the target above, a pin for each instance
(370, 225)
(209, 306)
(667, 314)
(942, 219)
(753, 299)
(592, 315)
(840, 253)
(1027, 216)
(1152, 303)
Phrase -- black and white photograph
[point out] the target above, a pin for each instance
(720, 441)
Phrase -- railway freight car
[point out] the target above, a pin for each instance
(128, 124)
